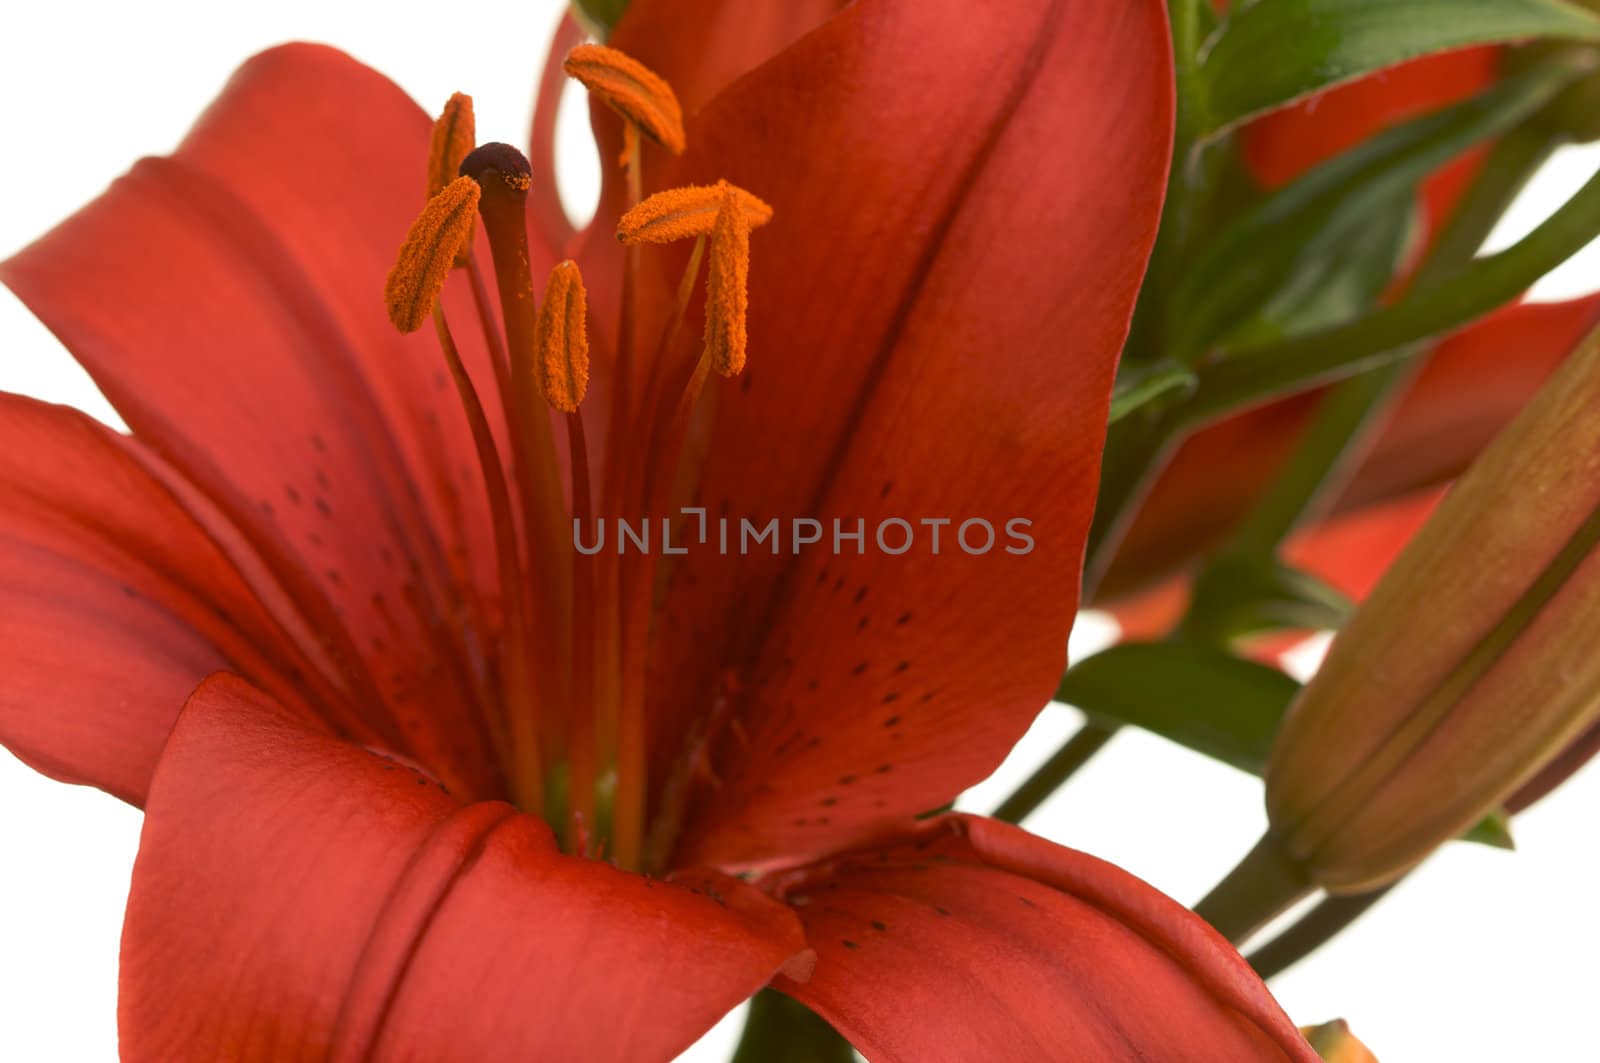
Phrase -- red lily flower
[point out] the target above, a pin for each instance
(328, 865)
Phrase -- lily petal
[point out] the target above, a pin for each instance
(114, 603)
(701, 46)
(228, 301)
(1468, 390)
(297, 897)
(1052, 954)
(547, 218)
(1351, 551)
(942, 354)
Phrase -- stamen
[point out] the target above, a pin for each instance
(525, 770)
(633, 90)
(454, 134)
(690, 211)
(585, 745)
(419, 273)
(726, 214)
(562, 364)
(727, 289)
(563, 352)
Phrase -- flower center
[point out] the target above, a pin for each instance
(567, 713)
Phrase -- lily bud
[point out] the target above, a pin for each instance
(1471, 665)
(1336, 1044)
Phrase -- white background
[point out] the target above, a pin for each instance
(1481, 956)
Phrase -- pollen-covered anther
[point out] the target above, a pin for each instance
(633, 90)
(562, 362)
(727, 287)
(454, 135)
(436, 237)
(688, 212)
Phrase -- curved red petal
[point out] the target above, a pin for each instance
(114, 603)
(701, 46)
(1472, 385)
(1351, 551)
(298, 897)
(1050, 954)
(547, 218)
(934, 327)
(228, 300)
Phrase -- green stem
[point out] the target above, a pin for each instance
(780, 1029)
(1136, 448)
(1333, 441)
(1085, 743)
(1189, 182)
(1264, 885)
(1505, 172)
(1250, 377)
(1317, 928)
(1313, 469)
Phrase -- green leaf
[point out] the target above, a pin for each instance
(780, 1029)
(1144, 384)
(1253, 375)
(1203, 698)
(1238, 596)
(599, 17)
(1271, 52)
(1270, 269)
(1341, 273)
(1494, 830)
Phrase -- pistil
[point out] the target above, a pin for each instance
(503, 175)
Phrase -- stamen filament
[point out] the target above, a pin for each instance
(670, 334)
(666, 444)
(491, 334)
(622, 386)
(584, 748)
(562, 365)
(625, 478)
(525, 772)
